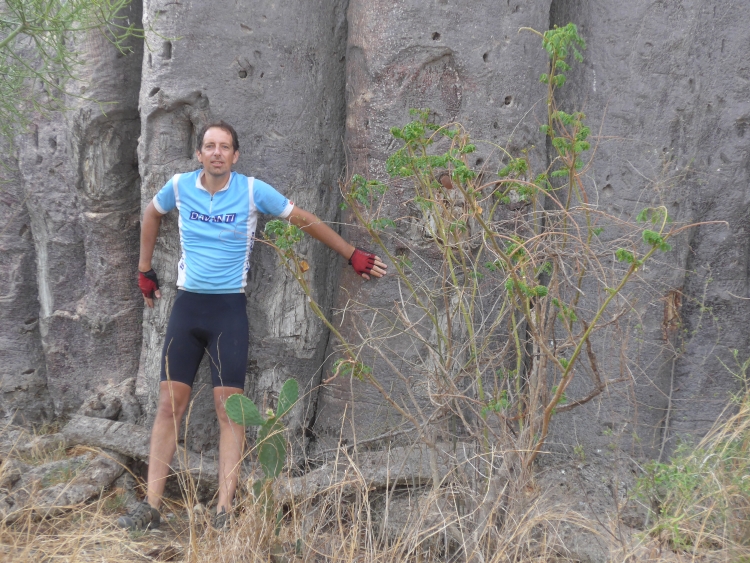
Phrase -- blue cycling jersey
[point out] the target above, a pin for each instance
(217, 231)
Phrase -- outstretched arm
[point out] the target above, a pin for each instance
(149, 232)
(317, 229)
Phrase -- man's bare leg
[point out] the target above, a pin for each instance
(231, 444)
(173, 400)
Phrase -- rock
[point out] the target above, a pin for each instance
(54, 487)
(97, 408)
(132, 441)
(11, 472)
(24, 394)
(126, 482)
(79, 188)
(377, 470)
(10, 439)
(42, 445)
(89, 481)
(372, 470)
(123, 437)
(403, 514)
(125, 485)
(20, 442)
(114, 402)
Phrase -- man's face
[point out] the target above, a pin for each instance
(217, 155)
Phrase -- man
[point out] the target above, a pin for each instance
(218, 211)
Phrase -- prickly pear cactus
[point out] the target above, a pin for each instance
(271, 448)
(271, 443)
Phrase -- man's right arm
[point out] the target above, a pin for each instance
(149, 231)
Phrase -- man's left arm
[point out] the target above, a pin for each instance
(317, 229)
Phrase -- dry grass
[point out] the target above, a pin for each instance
(702, 497)
(345, 523)
(328, 528)
(703, 517)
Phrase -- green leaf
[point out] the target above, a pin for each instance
(541, 290)
(349, 368)
(623, 255)
(382, 223)
(243, 411)
(287, 397)
(283, 234)
(652, 238)
(561, 144)
(404, 262)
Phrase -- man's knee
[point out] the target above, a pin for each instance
(221, 394)
(173, 400)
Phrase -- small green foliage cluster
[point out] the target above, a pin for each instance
(569, 147)
(657, 216)
(365, 191)
(513, 180)
(382, 223)
(656, 240)
(559, 42)
(498, 404)
(413, 159)
(702, 491)
(351, 368)
(624, 255)
(529, 291)
(566, 313)
(516, 250)
(284, 235)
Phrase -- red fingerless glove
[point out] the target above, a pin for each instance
(148, 283)
(362, 261)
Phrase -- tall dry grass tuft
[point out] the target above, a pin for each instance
(701, 498)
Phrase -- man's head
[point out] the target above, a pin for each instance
(223, 125)
(218, 149)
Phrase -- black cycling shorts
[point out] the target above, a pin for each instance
(212, 323)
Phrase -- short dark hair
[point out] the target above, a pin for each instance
(221, 124)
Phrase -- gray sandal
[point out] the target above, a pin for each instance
(144, 517)
(220, 521)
